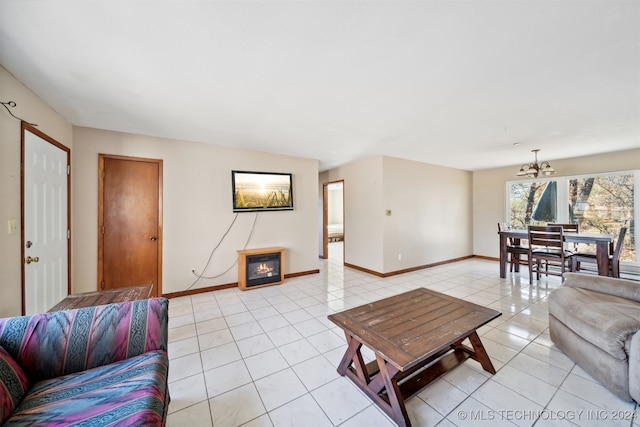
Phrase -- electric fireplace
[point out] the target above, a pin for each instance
(260, 267)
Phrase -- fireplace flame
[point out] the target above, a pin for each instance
(263, 269)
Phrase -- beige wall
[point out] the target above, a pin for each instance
(335, 212)
(32, 109)
(197, 208)
(431, 214)
(489, 191)
(421, 228)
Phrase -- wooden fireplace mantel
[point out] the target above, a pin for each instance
(242, 265)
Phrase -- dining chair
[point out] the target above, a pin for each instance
(574, 228)
(590, 257)
(567, 227)
(517, 254)
(547, 254)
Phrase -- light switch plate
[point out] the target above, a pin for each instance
(12, 226)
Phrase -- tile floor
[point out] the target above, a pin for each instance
(268, 356)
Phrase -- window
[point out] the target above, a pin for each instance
(600, 203)
(533, 203)
(604, 204)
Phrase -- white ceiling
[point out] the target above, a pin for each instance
(454, 83)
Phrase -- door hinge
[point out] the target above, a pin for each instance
(103, 229)
(68, 234)
(104, 174)
(68, 169)
(102, 285)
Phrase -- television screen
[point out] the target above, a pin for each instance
(261, 191)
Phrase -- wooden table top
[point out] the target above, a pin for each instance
(569, 236)
(110, 296)
(408, 328)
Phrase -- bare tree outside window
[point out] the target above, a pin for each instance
(525, 200)
(604, 204)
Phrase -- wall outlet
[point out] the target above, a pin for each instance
(399, 257)
(12, 226)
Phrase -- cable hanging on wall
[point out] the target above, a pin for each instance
(200, 276)
(12, 104)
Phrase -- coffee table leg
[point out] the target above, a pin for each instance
(395, 406)
(354, 355)
(394, 394)
(480, 353)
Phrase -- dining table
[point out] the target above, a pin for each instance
(600, 240)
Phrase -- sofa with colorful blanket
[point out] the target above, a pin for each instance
(103, 365)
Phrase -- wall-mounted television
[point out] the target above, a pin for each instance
(262, 191)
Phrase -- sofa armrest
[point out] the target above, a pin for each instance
(634, 367)
(49, 345)
(607, 285)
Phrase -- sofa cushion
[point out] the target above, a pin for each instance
(13, 384)
(606, 321)
(129, 392)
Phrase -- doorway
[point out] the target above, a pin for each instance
(333, 236)
(129, 222)
(46, 233)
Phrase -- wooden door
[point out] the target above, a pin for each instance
(46, 231)
(129, 222)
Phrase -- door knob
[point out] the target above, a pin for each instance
(29, 260)
(153, 238)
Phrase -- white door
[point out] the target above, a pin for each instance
(45, 238)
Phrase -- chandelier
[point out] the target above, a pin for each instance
(534, 169)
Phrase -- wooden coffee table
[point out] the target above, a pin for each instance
(110, 296)
(407, 332)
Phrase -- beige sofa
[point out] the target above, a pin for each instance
(595, 320)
